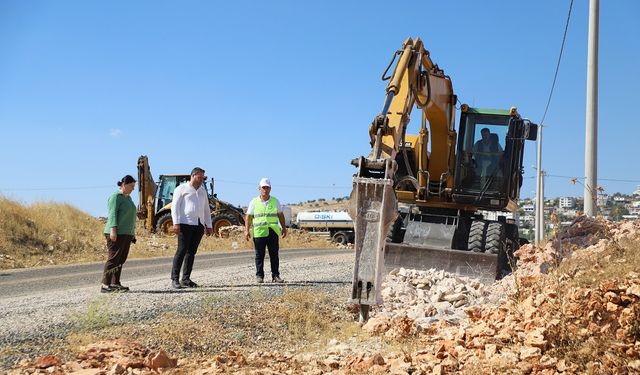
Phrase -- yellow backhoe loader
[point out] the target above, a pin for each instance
(442, 178)
(155, 201)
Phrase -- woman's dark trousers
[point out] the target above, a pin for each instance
(118, 253)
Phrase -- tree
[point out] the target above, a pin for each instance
(617, 211)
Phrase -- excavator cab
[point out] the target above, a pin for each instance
(489, 157)
(167, 185)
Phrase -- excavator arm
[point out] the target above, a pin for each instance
(415, 81)
(146, 192)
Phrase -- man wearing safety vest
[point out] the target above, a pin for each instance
(265, 216)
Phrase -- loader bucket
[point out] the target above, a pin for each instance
(375, 207)
(465, 263)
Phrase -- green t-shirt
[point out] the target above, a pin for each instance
(122, 214)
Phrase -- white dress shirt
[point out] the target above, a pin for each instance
(190, 206)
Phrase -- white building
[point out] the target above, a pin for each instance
(567, 202)
(602, 200)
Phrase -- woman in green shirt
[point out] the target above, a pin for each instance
(120, 233)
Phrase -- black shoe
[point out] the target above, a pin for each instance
(188, 284)
(119, 288)
(277, 279)
(175, 284)
(106, 289)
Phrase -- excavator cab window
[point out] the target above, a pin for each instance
(481, 153)
(166, 187)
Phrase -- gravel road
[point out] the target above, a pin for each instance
(43, 304)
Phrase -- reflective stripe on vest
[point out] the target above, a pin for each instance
(265, 217)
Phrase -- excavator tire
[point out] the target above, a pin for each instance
(507, 263)
(476, 241)
(164, 224)
(223, 220)
(495, 240)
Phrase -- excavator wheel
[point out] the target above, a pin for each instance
(495, 240)
(223, 220)
(507, 262)
(165, 224)
(476, 241)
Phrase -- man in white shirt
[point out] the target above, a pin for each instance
(191, 214)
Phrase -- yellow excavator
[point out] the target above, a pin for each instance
(420, 201)
(155, 201)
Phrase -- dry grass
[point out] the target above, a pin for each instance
(591, 268)
(47, 233)
(297, 320)
(51, 233)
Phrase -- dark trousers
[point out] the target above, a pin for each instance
(270, 242)
(188, 241)
(118, 253)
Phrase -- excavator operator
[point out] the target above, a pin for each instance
(487, 153)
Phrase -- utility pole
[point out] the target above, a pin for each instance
(591, 139)
(539, 213)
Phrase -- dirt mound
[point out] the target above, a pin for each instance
(572, 306)
(114, 357)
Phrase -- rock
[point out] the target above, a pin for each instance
(160, 359)
(529, 352)
(47, 361)
(117, 369)
(535, 338)
(377, 359)
(377, 325)
(490, 350)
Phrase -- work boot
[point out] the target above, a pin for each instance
(175, 284)
(277, 279)
(119, 287)
(259, 279)
(188, 284)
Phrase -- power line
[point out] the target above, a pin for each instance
(555, 76)
(600, 179)
(333, 186)
(59, 188)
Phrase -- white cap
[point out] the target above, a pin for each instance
(265, 182)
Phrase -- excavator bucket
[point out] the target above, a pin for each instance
(374, 209)
(465, 263)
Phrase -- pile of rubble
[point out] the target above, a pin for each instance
(426, 297)
(539, 319)
(112, 357)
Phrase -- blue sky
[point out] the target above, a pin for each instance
(287, 89)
